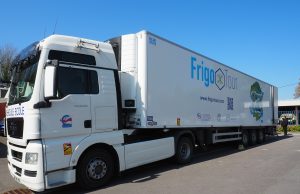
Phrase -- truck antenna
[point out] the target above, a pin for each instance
(55, 26)
(45, 30)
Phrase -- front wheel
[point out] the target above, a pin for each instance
(95, 169)
(184, 150)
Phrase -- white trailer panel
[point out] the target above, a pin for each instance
(176, 87)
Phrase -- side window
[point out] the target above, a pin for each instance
(72, 57)
(76, 81)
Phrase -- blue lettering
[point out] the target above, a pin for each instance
(206, 70)
(202, 70)
(17, 111)
(193, 59)
(208, 75)
(198, 74)
(152, 41)
(212, 76)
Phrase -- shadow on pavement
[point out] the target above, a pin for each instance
(153, 170)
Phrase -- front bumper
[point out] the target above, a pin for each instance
(29, 175)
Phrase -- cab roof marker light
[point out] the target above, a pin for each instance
(88, 45)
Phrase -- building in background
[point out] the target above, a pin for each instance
(290, 109)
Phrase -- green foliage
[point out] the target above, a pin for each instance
(7, 55)
(292, 128)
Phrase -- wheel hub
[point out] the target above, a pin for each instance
(245, 138)
(97, 169)
(185, 151)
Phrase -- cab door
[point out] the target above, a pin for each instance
(104, 111)
(68, 119)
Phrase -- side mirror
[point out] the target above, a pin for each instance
(50, 79)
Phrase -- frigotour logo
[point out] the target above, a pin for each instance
(66, 121)
(256, 95)
(207, 75)
(220, 79)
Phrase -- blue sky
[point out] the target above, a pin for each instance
(258, 37)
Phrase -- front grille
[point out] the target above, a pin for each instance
(15, 127)
(16, 155)
(19, 170)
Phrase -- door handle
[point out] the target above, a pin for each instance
(88, 124)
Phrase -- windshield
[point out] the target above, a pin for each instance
(23, 75)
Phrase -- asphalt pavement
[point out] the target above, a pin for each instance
(273, 167)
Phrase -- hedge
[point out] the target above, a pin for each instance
(292, 128)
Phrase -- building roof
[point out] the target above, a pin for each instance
(292, 102)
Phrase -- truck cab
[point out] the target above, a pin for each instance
(63, 89)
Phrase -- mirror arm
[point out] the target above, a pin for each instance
(51, 63)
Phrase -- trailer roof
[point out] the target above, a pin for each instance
(292, 102)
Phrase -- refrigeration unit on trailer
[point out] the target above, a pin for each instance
(82, 111)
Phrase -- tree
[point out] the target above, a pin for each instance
(7, 55)
(297, 91)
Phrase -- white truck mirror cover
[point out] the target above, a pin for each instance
(49, 82)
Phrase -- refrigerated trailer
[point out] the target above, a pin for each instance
(82, 111)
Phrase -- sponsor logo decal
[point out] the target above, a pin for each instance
(203, 116)
(67, 148)
(256, 95)
(66, 121)
(220, 79)
(150, 121)
(149, 118)
(152, 41)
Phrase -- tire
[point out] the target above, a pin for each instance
(260, 136)
(245, 138)
(95, 169)
(184, 150)
(253, 137)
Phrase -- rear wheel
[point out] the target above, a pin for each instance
(245, 138)
(253, 137)
(184, 150)
(260, 136)
(95, 169)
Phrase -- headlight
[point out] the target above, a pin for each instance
(31, 158)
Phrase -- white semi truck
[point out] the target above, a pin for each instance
(82, 111)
